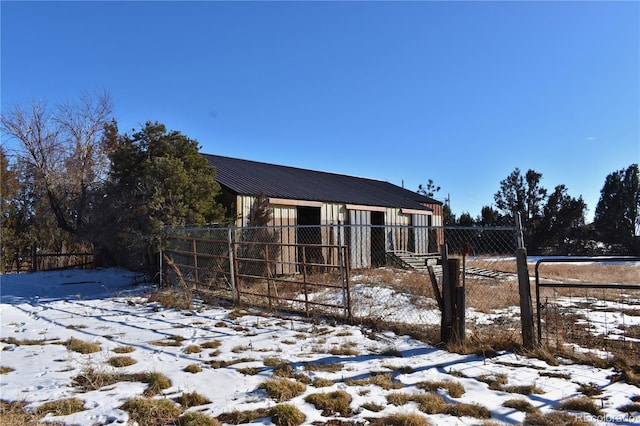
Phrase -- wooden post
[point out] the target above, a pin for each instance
(526, 308)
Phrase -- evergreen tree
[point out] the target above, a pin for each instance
(158, 179)
(489, 217)
(258, 247)
(524, 195)
(448, 218)
(618, 209)
(562, 222)
(465, 219)
(429, 190)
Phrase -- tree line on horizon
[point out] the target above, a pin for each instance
(75, 181)
(554, 222)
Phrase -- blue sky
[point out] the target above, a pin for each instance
(458, 92)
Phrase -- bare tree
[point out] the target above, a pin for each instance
(64, 145)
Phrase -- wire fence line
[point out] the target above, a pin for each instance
(590, 305)
(384, 276)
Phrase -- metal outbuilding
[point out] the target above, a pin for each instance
(383, 217)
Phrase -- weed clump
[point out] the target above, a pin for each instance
(471, 410)
(332, 403)
(191, 399)
(61, 407)
(5, 370)
(385, 381)
(237, 417)
(82, 347)
(197, 419)
(282, 389)
(192, 368)
(152, 412)
(582, 403)
(401, 419)
(121, 361)
(286, 415)
(173, 299)
(193, 349)
(322, 383)
(553, 418)
(333, 367)
(520, 405)
(157, 382)
(455, 389)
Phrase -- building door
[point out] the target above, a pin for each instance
(378, 252)
(309, 236)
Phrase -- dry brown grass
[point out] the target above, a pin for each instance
(196, 418)
(178, 299)
(80, 346)
(401, 419)
(286, 415)
(61, 407)
(124, 349)
(282, 389)
(385, 381)
(334, 403)
(553, 418)
(191, 399)
(121, 361)
(152, 412)
(455, 389)
(580, 403)
(597, 273)
(237, 417)
(328, 367)
(192, 368)
(13, 413)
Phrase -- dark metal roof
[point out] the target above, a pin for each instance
(246, 177)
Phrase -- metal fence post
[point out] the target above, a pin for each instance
(161, 268)
(447, 297)
(458, 290)
(232, 265)
(34, 259)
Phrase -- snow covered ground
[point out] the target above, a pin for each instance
(40, 312)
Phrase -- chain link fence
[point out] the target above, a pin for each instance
(352, 273)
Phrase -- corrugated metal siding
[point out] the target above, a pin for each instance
(285, 218)
(420, 222)
(359, 239)
(398, 236)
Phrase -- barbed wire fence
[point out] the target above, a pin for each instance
(351, 273)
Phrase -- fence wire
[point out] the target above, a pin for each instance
(591, 308)
(387, 277)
